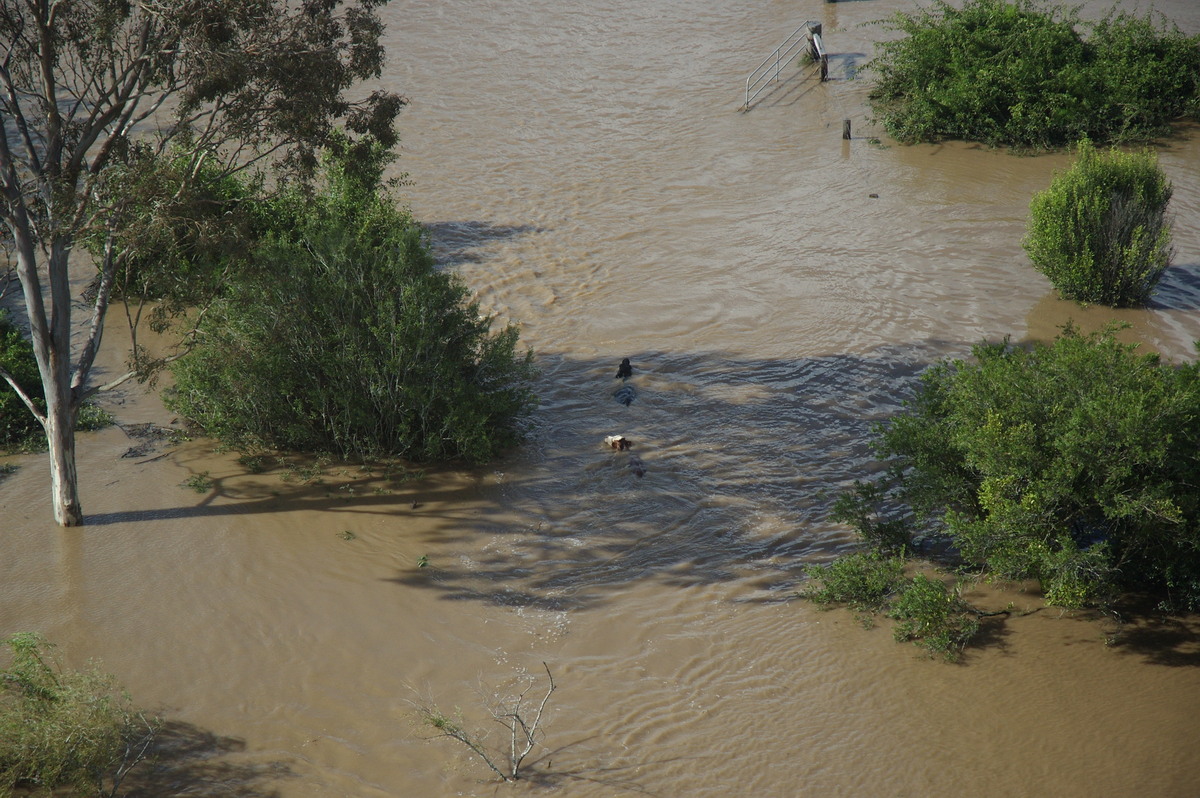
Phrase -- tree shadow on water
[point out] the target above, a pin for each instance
(187, 760)
(743, 459)
(458, 242)
(1160, 639)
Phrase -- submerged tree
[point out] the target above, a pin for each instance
(65, 729)
(1073, 464)
(341, 335)
(1022, 73)
(86, 87)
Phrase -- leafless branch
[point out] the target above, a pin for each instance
(524, 731)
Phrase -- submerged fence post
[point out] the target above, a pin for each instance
(846, 129)
(816, 49)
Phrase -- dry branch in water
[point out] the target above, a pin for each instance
(512, 714)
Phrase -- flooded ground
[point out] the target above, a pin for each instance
(584, 167)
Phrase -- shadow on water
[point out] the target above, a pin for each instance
(455, 243)
(186, 760)
(1160, 639)
(1179, 289)
(745, 495)
(743, 459)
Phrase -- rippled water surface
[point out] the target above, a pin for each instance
(585, 168)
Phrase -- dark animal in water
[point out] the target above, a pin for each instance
(625, 370)
(618, 442)
(637, 466)
(625, 395)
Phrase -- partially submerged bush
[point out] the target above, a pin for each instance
(1019, 73)
(17, 424)
(864, 581)
(1100, 232)
(62, 728)
(344, 337)
(871, 582)
(1073, 464)
(933, 617)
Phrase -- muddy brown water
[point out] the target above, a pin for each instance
(583, 166)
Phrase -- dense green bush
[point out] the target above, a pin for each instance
(864, 581)
(933, 617)
(19, 430)
(64, 729)
(871, 582)
(1100, 232)
(17, 424)
(1073, 463)
(343, 337)
(1019, 73)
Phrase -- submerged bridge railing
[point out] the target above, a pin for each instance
(807, 36)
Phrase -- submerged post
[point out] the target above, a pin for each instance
(816, 49)
(814, 33)
(846, 129)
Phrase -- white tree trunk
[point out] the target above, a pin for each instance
(51, 339)
(60, 436)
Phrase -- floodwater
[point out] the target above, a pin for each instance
(585, 168)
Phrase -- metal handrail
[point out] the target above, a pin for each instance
(773, 64)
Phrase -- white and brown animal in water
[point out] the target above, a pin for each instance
(623, 444)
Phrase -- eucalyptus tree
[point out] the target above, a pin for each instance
(89, 89)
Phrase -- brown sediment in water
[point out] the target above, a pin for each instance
(584, 168)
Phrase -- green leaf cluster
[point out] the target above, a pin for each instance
(872, 582)
(179, 223)
(17, 424)
(1100, 232)
(935, 618)
(19, 429)
(61, 728)
(342, 336)
(864, 581)
(1074, 464)
(1020, 73)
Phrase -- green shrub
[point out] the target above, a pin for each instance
(860, 508)
(61, 728)
(872, 582)
(933, 617)
(19, 430)
(1100, 232)
(17, 424)
(336, 344)
(1072, 463)
(864, 581)
(1019, 73)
